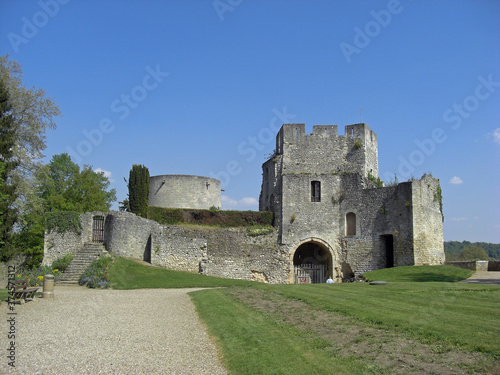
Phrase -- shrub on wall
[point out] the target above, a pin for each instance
(63, 221)
(172, 216)
(165, 216)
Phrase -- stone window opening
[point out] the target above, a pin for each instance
(315, 191)
(350, 224)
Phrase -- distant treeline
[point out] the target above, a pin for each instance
(455, 247)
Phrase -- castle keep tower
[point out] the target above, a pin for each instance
(332, 216)
(184, 191)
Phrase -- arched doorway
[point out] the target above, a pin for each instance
(312, 263)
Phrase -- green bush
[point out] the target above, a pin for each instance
(63, 221)
(172, 216)
(95, 276)
(377, 180)
(62, 263)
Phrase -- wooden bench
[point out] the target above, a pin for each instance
(23, 291)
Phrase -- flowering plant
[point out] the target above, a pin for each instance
(35, 275)
(95, 275)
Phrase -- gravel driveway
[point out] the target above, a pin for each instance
(484, 277)
(86, 331)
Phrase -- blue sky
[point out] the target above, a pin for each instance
(200, 87)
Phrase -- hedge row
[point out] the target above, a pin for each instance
(171, 216)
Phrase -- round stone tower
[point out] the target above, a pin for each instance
(184, 191)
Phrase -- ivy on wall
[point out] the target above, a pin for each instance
(63, 221)
(438, 196)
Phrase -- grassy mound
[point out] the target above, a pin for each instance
(420, 274)
(130, 274)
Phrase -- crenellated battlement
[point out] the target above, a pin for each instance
(324, 150)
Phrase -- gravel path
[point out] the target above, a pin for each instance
(484, 277)
(86, 331)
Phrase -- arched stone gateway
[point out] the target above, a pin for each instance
(313, 261)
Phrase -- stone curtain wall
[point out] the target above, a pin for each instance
(56, 245)
(230, 253)
(473, 265)
(177, 248)
(184, 191)
(129, 235)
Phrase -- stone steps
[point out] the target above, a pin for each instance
(80, 262)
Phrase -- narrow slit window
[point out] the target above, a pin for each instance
(315, 191)
(350, 224)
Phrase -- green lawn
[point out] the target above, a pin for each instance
(420, 274)
(458, 315)
(254, 343)
(128, 274)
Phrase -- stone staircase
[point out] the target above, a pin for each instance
(80, 262)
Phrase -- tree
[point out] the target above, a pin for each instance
(32, 114)
(473, 252)
(138, 190)
(8, 194)
(62, 186)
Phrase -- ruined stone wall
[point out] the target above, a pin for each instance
(129, 235)
(379, 212)
(178, 248)
(183, 191)
(56, 245)
(473, 265)
(232, 253)
(238, 253)
(427, 222)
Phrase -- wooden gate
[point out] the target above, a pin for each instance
(310, 273)
(98, 229)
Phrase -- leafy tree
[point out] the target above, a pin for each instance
(32, 114)
(455, 247)
(8, 214)
(138, 190)
(473, 252)
(62, 186)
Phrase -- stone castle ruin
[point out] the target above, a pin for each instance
(332, 217)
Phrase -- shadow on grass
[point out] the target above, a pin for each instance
(432, 277)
